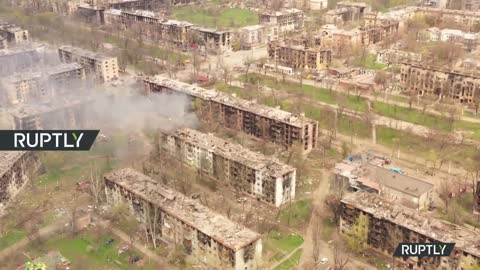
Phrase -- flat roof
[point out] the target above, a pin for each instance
(8, 159)
(235, 152)
(397, 181)
(229, 100)
(36, 109)
(465, 239)
(282, 12)
(85, 53)
(23, 76)
(190, 211)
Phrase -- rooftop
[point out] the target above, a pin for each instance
(7, 159)
(397, 181)
(233, 101)
(41, 108)
(85, 53)
(282, 12)
(190, 211)
(422, 223)
(234, 152)
(23, 76)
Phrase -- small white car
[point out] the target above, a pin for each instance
(324, 260)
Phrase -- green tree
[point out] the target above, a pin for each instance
(358, 234)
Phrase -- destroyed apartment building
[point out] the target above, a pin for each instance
(376, 175)
(346, 11)
(248, 172)
(392, 56)
(250, 117)
(155, 27)
(42, 85)
(104, 68)
(253, 36)
(13, 34)
(19, 58)
(386, 218)
(210, 238)
(299, 56)
(422, 79)
(17, 168)
(58, 114)
(287, 19)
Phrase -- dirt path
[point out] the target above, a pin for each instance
(42, 233)
(286, 257)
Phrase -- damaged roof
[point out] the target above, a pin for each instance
(465, 239)
(85, 53)
(232, 101)
(190, 211)
(234, 152)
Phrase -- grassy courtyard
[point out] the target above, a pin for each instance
(216, 17)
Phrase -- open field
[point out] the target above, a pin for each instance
(215, 17)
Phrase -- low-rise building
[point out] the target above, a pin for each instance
(391, 223)
(468, 40)
(258, 120)
(14, 34)
(103, 67)
(210, 238)
(16, 170)
(286, 19)
(392, 56)
(423, 79)
(374, 175)
(254, 174)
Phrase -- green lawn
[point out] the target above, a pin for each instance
(11, 238)
(328, 229)
(369, 62)
(281, 243)
(215, 16)
(296, 213)
(353, 102)
(309, 91)
(90, 251)
(292, 262)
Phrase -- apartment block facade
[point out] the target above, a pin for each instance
(423, 79)
(104, 68)
(257, 120)
(248, 172)
(211, 239)
(388, 220)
